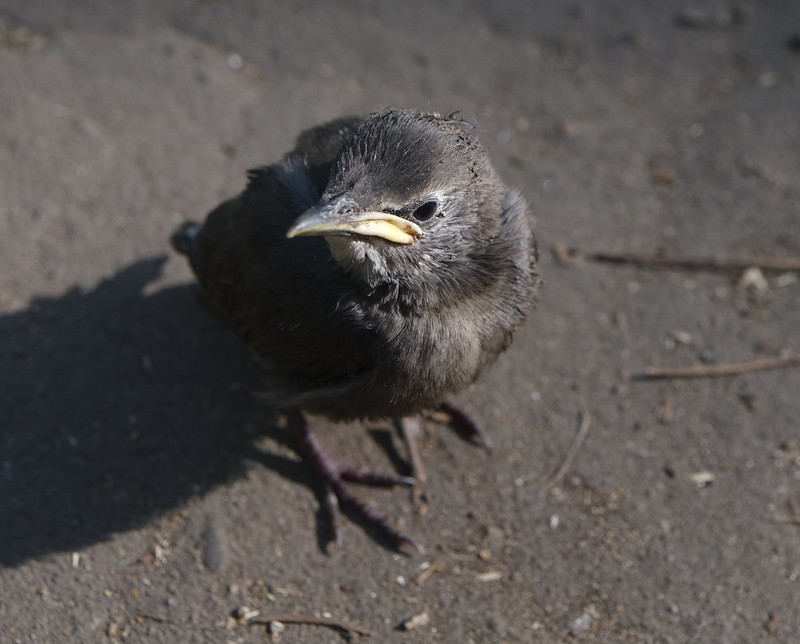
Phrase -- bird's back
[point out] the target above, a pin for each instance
(286, 299)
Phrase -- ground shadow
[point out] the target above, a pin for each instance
(115, 406)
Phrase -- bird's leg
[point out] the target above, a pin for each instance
(337, 493)
(411, 428)
(466, 424)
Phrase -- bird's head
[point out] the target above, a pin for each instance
(411, 197)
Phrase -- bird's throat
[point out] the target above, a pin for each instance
(359, 258)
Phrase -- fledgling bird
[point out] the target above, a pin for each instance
(375, 271)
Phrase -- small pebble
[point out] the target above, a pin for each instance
(696, 130)
(581, 624)
(276, 629)
(702, 479)
(415, 621)
(244, 614)
(709, 355)
(235, 62)
(682, 337)
(753, 281)
(720, 20)
(490, 575)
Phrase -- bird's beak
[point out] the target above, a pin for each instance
(337, 219)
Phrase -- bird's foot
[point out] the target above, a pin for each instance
(411, 429)
(338, 494)
(466, 425)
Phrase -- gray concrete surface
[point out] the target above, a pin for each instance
(144, 495)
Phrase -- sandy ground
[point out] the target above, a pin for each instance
(145, 496)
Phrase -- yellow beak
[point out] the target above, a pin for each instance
(325, 221)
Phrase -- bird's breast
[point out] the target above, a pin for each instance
(425, 359)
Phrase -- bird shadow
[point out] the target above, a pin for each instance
(116, 406)
(383, 438)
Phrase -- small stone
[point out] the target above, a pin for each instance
(490, 575)
(682, 337)
(212, 546)
(709, 355)
(720, 20)
(235, 62)
(749, 400)
(666, 413)
(244, 614)
(415, 621)
(662, 176)
(696, 130)
(771, 625)
(276, 629)
(702, 479)
(158, 554)
(581, 624)
(768, 79)
(753, 281)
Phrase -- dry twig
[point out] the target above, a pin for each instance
(436, 566)
(140, 616)
(313, 620)
(717, 370)
(586, 421)
(568, 255)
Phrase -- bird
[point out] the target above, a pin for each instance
(374, 272)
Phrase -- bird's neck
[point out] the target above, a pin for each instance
(360, 260)
(400, 288)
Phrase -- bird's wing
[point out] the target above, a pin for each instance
(286, 298)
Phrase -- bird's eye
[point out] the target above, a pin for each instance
(426, 211)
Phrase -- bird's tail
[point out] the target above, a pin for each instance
(184, 239)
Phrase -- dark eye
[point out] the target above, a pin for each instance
(426, 211)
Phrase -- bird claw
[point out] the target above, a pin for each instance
(338, 494)
(467, 425)
(370, 517)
